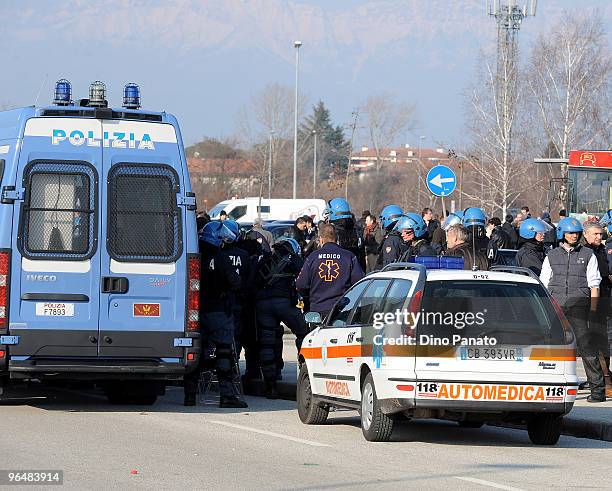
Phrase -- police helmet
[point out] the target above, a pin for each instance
(452, 219)
(532, 226)
(414, 222)
(390, 214)
(474, 217)
(339, 208)
(291, 244)
(234, 229)
(606, 220)
(567, 226)
(210, 233)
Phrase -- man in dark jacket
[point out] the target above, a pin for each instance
(392, 246)
(372, 238)
(457, 245)
(327, 273)
(415, 235)
(571, 274)
(531, 246)
(511, 231)
(276, 300)
(496, 233)
(220, 285)
(298, 232)
(598, 326)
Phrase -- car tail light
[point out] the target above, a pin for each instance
(193, 294)
(568, 334)
(414, 306)
(4, 286)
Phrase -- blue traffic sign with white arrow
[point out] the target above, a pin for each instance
(441, 180)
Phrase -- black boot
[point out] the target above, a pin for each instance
(232, 402)
(190, 399)
(271, 391)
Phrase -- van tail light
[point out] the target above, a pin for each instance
(568, 334)
(413, 307)
(193, 293)
(5, 281)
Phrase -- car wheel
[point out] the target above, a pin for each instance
(375, 425)
(545, 429)
(309, 412)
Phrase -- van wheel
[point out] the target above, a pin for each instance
(375, 425)
(308, 411)
(471, 424)
(545, 429)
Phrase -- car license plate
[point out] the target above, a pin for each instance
(49, 309)
(507, 353)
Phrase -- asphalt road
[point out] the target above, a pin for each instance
(167, 446)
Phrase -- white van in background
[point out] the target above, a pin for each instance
(246, 210)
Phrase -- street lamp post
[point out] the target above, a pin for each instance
(296, 45)
(314, 166)
(421, 138)
(270, 166)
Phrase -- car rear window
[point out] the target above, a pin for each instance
(512, 313)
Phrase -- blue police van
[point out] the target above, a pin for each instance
(99, 264)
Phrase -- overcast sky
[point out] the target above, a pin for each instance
(203, 59)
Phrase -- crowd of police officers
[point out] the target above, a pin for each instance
(250, 287)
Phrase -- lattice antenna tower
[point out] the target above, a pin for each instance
(509, 15)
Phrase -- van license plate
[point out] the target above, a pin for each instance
(503, 354)
(49, 309)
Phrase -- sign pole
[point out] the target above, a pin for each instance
(443, 208)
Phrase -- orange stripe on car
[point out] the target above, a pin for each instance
(553, 354)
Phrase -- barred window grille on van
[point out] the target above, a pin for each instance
(58, 217)
(144, 222)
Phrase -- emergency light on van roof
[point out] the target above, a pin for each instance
(63, 93)
(131, 96)
(97, 94)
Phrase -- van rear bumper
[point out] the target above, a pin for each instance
(99, 369)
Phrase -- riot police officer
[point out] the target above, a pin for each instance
(414, 232)
(475, 221)
(241, 261)
(276, 301)
(349, 238)
(531, 244)
(218, 289)
(392, 246)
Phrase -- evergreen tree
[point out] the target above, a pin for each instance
(332, 147)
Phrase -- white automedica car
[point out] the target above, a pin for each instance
(467, 346)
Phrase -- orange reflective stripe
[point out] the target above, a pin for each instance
(311, 353)
(344, 351)
(553, 354)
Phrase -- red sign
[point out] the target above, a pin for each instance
(146, 310)
(589, 159)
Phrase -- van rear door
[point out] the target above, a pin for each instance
(56, 251)
(143, 261)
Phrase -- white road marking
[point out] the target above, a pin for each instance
(270, 433)
(488, 483)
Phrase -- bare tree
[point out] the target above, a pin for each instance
(385, 119)
(569, 80)
(492, 112)
(269, 115)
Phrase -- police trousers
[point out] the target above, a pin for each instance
(578, 317)
(270, 313)
(217, 330)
